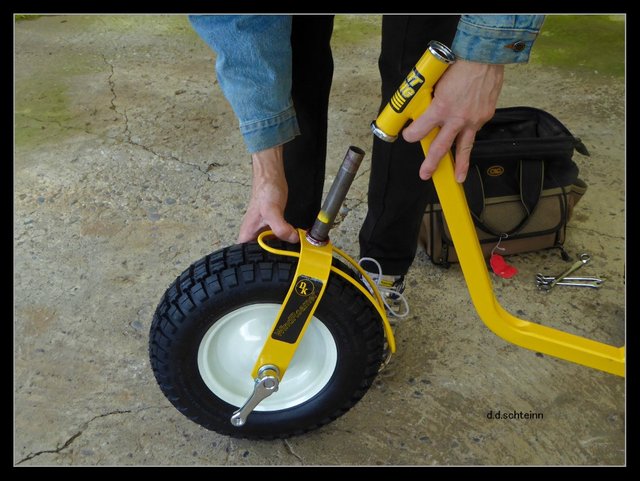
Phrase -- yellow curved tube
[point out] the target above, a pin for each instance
(513, 329)
(412, 98)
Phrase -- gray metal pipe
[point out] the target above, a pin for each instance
(319, 233)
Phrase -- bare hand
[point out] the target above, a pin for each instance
(268, 199)
(464, 99)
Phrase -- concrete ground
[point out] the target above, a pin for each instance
(129, 166)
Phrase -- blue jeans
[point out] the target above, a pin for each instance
(253, 65)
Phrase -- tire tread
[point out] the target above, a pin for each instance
(226, 269)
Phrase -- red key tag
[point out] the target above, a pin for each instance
(501, 268)
(498, 264)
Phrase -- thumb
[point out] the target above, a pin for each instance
(280, 227)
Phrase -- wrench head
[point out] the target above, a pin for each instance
(544, 286)
(540, 279)
(585, 258)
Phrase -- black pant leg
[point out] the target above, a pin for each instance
(397, 196)
(305, 156)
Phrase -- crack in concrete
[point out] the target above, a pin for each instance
(112, 84)
(58, 123)
(228, 451)
(597, 233)
(127, 131)
(84, 427)
(291, 451)
(362, 173)
(73, 437)
(52, 451)
(354, 203)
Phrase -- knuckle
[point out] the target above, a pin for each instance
(439, 148)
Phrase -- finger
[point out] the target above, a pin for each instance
(250, 228)
(464, 145)
(420, 128)
(437, 150)
(272, 216)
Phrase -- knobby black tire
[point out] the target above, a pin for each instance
(242, 275)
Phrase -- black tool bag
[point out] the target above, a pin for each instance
(521, 187)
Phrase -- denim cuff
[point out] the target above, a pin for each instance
(495, 45)
(263, 134)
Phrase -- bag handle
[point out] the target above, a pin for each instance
(530, 182)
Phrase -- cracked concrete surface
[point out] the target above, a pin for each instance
(68, 442)
(129, 167)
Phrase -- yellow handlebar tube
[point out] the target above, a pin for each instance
(410, 102)
(413, 93)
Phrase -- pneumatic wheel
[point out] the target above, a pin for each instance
(212, 322)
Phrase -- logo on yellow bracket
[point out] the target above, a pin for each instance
(304, 288)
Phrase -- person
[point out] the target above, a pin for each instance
(276, 72)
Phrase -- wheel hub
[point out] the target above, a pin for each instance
(230, 347)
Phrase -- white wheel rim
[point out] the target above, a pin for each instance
(229, 349)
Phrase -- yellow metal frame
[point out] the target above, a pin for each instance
(412, 99)
(474, 268)
(315, 262)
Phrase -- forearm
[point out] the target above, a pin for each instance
(496, 39)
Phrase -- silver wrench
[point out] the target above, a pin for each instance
(593, 285)
(540, 279)
(265, 385)
(547, 279)
(584, 258)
